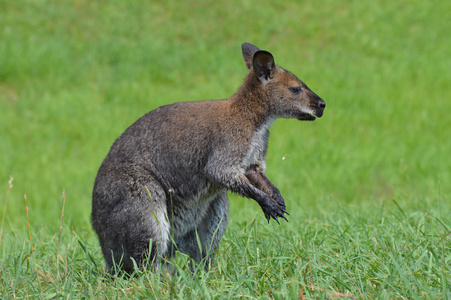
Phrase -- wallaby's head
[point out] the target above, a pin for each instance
(288, 96)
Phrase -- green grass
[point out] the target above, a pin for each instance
(387, 252)
(367, 186)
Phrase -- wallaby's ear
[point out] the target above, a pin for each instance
(264, 65)
(248, 53)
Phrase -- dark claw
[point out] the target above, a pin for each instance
(267, 216)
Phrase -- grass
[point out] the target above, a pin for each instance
(387, 252)
(367, 186)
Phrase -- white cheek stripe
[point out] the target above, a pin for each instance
(307, 110)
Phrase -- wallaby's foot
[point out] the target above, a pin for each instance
(274, 209)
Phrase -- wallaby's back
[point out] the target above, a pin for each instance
(175, 142)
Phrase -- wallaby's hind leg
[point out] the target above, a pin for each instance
(136, 226)
(209, 231)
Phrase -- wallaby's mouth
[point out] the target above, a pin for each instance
(306, 117)
(310, 116)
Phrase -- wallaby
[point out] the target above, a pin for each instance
(164, 183)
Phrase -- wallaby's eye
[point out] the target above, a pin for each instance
(295, 89)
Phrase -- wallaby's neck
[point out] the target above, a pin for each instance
(252, 102)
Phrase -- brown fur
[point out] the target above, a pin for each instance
(188, 155)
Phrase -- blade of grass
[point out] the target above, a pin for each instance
(31, 244)
(10, 186)
(59, 237)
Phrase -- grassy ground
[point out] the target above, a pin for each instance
(367, 186)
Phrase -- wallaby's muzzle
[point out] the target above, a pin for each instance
(315, 110)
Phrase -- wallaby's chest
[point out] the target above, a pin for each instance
(256, 151)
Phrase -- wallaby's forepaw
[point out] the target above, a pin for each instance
(273, 209)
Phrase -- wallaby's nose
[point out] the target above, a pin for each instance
(322, 104)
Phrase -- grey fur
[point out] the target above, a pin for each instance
(188, 155)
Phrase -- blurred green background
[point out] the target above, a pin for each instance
(75, 74)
